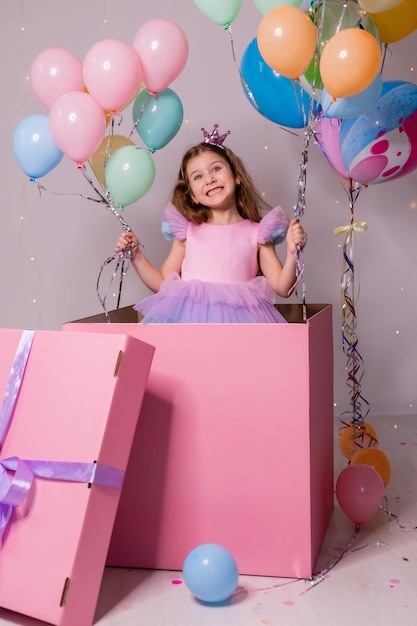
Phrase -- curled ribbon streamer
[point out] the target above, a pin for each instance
(122, 260)
(13, 492)
(299, 272)
(349, 296)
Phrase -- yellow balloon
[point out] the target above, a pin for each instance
(377, 6)
(108, 146)
(397, 22)
(286, 40)
(354, 437)
(376, 459)
(350, 61)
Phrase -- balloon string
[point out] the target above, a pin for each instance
(122, 259)
(137, 120)
(244, 82)
(104, 199)
(392, 516)
(342, 15)
(384, 56)
(228, 27)
(322, 575)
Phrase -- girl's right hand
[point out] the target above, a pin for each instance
(127, 241)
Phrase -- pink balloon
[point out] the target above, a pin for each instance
(112, 73)
(77, 125)
(163, 50)
(55, 71)
(328, 139)
(359, 491)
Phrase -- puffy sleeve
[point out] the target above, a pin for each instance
(173, 225)
(273, 226)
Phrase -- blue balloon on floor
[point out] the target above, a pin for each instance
(210, 573)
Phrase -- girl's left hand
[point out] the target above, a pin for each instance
(296, 237)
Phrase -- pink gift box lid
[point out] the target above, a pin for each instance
(79, 401)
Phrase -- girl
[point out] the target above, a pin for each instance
(222, 266)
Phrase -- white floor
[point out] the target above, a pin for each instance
(368, 578)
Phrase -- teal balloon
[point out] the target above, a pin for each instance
(276, 97)
(210, 573)
(157, 118)
(34, 148)
(129, 174)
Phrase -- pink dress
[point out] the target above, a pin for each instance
(218, 281)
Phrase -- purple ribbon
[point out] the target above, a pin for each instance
(14, 491)
(14, 382)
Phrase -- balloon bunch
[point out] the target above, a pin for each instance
(360, 486)
(84, 98)
(328, 79)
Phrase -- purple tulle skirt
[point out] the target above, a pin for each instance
(195, 301)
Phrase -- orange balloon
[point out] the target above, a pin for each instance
(108, 146)
(354, 437)
(397, 22)
(376, 459)
(350, 61)
(287, 40)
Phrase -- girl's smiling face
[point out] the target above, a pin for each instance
(211, 181)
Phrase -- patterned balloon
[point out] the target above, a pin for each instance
(381, 145)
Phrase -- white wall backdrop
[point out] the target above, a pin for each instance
(52, 243)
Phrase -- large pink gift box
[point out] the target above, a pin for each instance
(79, 402)
(234, 444)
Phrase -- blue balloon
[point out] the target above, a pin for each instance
(34, 148)
(210, 573)
(157, 118)
(352, 106)
(276, 97)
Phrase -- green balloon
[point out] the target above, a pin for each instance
(129, 174)
(219, 11)
(264, 6)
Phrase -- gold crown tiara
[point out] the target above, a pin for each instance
(213, 137)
